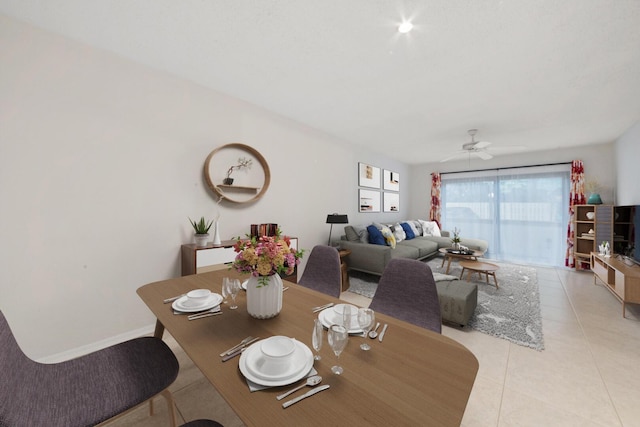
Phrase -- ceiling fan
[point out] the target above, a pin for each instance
(477, 148)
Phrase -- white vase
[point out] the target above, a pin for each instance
(264, 301)
(201, 240)
(216, 233)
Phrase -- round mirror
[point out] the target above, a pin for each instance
(237, 173)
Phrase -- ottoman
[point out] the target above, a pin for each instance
(458, 299)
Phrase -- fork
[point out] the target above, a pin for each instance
(235, 347)
(215, 309)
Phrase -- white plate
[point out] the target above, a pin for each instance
(329, 317)
(212, 301)
(302, 364)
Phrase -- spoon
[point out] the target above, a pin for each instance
(311, 381)
(373, 334)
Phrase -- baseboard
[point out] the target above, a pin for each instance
(89, 348)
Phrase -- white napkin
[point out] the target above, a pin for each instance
(256, 387)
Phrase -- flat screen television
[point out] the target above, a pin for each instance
(627, 224)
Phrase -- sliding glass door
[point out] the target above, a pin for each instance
(521, 212)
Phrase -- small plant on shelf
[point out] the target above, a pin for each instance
(243, 162)
(202, 226)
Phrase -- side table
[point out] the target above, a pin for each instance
(344, 253)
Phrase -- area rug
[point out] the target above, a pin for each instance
(511, 312)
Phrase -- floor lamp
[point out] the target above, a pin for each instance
(335, 219)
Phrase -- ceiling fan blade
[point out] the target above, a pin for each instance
(453, 156)
(508, 148)
(483, 155)
(482, 144)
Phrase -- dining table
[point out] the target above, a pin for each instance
(412, 377)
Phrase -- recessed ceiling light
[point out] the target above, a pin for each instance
(405, 27)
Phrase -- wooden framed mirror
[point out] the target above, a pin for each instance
(249, 183)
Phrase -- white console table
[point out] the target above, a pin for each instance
(216, 257)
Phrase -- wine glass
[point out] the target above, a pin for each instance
(346, 317)
(366, 318)
(316, 337)
(337, 337)
(233, 287)
(225, 286)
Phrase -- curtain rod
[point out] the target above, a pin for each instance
(511, 167)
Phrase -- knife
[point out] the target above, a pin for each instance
(384, 329)
(241, 346)
(304, 396)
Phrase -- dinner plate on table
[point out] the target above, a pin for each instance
(182, 304)
(329, 316)
(301, 364)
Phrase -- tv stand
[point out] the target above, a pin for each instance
(622, 279)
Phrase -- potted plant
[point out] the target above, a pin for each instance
(456, 238)
(243, 162)
(201, 229)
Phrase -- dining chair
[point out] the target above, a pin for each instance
(407, 291)
(83, 391)
(322, 272)
(202, 423)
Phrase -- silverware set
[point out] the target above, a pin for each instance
(237, 349)
(321, 307)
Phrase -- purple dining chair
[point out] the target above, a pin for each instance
(407, 291)
(322, 272)
(83, 391)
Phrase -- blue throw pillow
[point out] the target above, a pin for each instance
(375, 236)
(408, 231)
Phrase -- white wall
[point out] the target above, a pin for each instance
(100, 166)
(599, 163)
(627, 155)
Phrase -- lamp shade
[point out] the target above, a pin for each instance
(337, 219)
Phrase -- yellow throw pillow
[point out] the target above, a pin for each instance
(388, 237)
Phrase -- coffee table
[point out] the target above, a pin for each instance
(449, 256)
(481, 268)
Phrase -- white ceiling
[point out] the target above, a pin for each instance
(543, 74)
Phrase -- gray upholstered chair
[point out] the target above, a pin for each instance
(322, 272)
(407, 291)
(83, 391)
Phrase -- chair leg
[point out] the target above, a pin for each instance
(172, 406)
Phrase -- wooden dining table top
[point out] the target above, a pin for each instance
(413, 377)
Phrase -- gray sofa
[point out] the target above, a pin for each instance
(373, 258)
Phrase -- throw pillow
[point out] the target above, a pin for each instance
(399, 233)
(414, 229)
(408, 231)
(351, 234)
(363, 234)
(388, 237)
(375, 236)
(430, 228)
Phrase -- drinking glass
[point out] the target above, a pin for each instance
(337, 337)
(366, 318)
(316, 337)
(225, 286)
(347, 316)
(233, 287)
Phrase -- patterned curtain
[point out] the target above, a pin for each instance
(434, 212)
(576, 197)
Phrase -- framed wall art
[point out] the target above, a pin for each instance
(369, 201)
(391, 202)
(368, 176)
(391, 180)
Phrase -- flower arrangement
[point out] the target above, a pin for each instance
(265, 256)
(456, 236)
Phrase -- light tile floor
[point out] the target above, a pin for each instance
(588, 374)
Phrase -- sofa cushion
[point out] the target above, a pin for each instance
(408, 231)
(405, 251)
(375, 236)
(351, 234)
(425, 247)
(357, 233)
